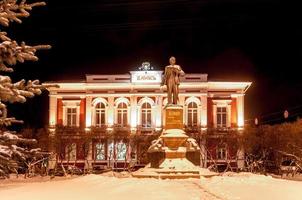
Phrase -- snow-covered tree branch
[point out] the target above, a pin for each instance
(14, 150)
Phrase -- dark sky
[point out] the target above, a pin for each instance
(249, 40)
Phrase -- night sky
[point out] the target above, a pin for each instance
(247, 40)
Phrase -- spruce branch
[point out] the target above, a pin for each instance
(14, 10)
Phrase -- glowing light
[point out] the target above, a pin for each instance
(133, 130)
(240, 121)
(88, 120)
(51, 129)
(52, 111)
(110, 117)
(203, 120)
(240, 110)
(158, 129)
(109, 129)
(133, 121)
(240, 128)
(158, 121)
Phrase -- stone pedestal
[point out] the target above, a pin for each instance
(173, 155)
(174, 117)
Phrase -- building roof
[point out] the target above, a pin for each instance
(146, 81)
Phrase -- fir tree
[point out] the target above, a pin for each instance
(15, 151)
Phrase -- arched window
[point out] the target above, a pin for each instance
(71, 152)
(192, 114)
(146, 115)
(100, 114)
(122, 114)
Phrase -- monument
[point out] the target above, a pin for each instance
(174, 154)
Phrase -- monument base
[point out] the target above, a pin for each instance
(174, 117)
(164, 173)
(175, 156)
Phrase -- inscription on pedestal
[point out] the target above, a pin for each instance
(174, 118)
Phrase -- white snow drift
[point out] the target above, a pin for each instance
(94, 187)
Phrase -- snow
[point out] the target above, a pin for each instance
(10, 136)
(96, 187)
(5, 150)
(178, 163)
(92, 187)
(176, 132)
(249, 186)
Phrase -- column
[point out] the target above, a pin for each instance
(88, 111)
(110, 111)
(228, 108)
(133, 112)
(182, 100)
(240, 109)
(52, 111)
(215, 115)
(204, 111)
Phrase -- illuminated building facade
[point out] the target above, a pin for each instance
(133, 105)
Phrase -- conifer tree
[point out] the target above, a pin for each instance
(15, 150)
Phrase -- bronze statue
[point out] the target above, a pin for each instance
(171, 79)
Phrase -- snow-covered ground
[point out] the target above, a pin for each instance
(249, 186)
(229, 186)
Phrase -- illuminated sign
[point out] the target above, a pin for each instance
(146, 76)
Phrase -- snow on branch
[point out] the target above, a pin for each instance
(11, 53)
(13, 10)
(15, 151)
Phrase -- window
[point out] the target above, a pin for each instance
(221, 117)
(100, 151)
(121, 150)
(71, 116)
(100, 115)
(122, 113)
(221, 152)
(192, 114)
(71, 152)
(146, 115)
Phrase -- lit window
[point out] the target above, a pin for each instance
(221, 152)
(100, 114)
(221, 117)
(71, 152)
(192, 114)
(121, 150)
(146, 115)
(71, 116)
(122, 113)
(100, 151)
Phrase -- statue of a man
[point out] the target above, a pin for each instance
(171, 79)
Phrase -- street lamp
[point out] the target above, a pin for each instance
(256, 121)
(285, 115)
